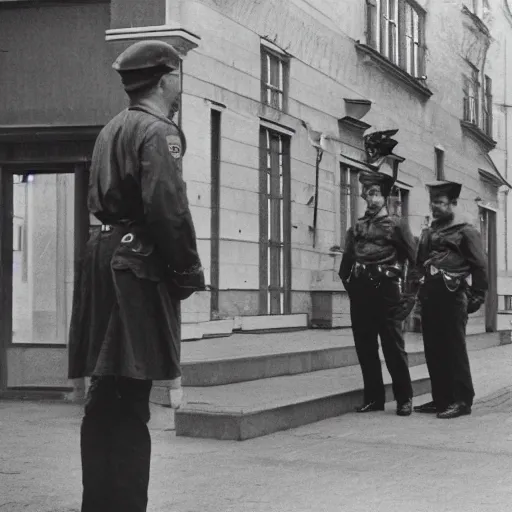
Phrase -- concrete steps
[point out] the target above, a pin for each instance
(219, 362)
(247, 386)
(251, 409)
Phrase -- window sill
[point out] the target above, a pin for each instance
(487, 142)
(395, 71)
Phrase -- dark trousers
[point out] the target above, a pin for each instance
(116, 445)
(372, 309)
(443, 319)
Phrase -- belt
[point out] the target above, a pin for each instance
(452, 280)
(433, 271)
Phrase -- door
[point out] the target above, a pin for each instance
(47, 226)
(489, 240)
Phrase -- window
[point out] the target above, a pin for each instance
(472, 97)
(274, 78)
(349, 200)
(215, 146)
(398, 202)
(478, 104)
(487, 106)
(508, 302)
(275, 225)
(439, 164)
(395, 28)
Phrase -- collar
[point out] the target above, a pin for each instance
(150, 107)
(383, 212)
(454, 220)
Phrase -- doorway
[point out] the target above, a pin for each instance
(45, 225)
(488, 231)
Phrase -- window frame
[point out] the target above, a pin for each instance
(377, 34)
(478, 100)
(439, 164)
(350, 192)
(268, 89)
(275, 231)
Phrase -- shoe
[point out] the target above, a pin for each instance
(404, 408)
(454, 411)
(370, 407)
(428, 408)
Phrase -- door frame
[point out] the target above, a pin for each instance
(491, 302)
(39, 149)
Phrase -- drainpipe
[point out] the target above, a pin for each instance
(506, 162)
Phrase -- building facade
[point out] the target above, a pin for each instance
(278, 97)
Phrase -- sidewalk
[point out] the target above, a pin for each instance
(354, 463)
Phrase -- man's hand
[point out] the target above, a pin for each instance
(475, 300)
(175, 393)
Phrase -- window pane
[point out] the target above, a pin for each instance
(43, 270)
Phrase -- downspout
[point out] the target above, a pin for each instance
(506, 162)
(319, 155)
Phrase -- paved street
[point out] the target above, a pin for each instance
(354, 463)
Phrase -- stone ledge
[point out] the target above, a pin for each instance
(487, 142)
(373, 56)
(182, 39)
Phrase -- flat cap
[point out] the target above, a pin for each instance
(147, 54)
(450, 189)
(385, 182)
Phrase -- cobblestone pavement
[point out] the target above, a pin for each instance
(355, 463)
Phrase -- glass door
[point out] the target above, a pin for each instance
(43, 258)
(50, 225)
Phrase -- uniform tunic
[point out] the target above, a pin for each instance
(125, 321)
(378, 243)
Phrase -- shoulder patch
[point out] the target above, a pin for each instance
(174, 145)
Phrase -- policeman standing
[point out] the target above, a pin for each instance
(125, 326)
(372, 271)
(449, 252)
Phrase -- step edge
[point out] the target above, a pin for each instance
(259, 409)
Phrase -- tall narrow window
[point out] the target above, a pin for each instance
(439, 164)
(349, 200)
(395, 28)
(275, 236)
(274, 78)
(472, 97)
(389, 32)
(413, 46)
(215, 144)
(487, 106)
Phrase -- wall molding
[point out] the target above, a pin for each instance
(183, 40)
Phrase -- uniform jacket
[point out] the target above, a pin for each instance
(379, 240)
(454, 246)
(125, 320)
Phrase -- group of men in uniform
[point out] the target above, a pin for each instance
(125, 326)
(384, 274)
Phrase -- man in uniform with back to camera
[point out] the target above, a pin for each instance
(377, 251)
(450, 251)
(125, 327)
